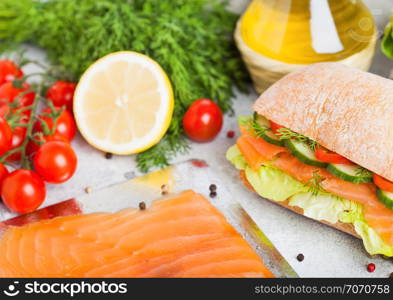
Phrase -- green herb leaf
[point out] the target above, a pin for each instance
(191, 39)
(314, 184)
(254, 127)
(287, 134)
(360, 171)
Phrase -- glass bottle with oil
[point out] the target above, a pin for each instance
(276, 37)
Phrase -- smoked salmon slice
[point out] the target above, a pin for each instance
(182, 236)
(256, 152)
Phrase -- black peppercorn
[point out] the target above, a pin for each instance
(300, 257)
(142, 205)
(108, 155)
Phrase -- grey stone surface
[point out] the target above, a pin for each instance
(328, 253)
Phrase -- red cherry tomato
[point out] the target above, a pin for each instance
(325, 155)
(18, 136)
(55, 162)
(203, 120)
(275, 127)
(65, 125)
(61, 93)
(3, 173)
(9, 94)
(5, 136)
(383, 183)
(33, 147)
(9, 71)
(23, 191)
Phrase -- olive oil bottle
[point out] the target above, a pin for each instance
(276, 37)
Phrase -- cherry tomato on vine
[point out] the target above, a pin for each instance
(61, 93)
(5, 136)
(203, 120)
(18, 136)
(33, 147)
(23, 191)
(65, 125)
(9, 71)
(55, 162)
(9, 94)
(3, 173)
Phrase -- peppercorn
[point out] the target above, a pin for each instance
(300, 257)
(213, 194)
(142, 205)
(108, 155)
(212, 188)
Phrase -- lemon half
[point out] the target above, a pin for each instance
(123, 103)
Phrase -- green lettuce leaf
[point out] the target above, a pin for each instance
(331, 208)
(276, 185)
(236, 158)
(322, 206)
(371, 240)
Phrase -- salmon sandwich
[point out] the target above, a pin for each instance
(321, 144)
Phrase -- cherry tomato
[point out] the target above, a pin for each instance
(325, 155)
(203, 120)
(5, 136)
(3, 173)
(275, 127)
(33, 147)
(9, 94)
(9, 71)
(61, 93)
(23, 191)
(383, 183)
(18, 136)
(65, 125)
(55, 162)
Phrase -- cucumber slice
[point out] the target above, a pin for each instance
(304, 153)
(268, 135)
(261, 120)
(385, 197)
(349, 173)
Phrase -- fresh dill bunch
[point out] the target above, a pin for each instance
(363, 172)
(254, 128)
(191, 39)
(287, 134)
(314, 184)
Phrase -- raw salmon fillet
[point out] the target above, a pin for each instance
(256, 151)
(183, 236)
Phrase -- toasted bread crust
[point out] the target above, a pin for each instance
(345, 227)
(345, 110)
